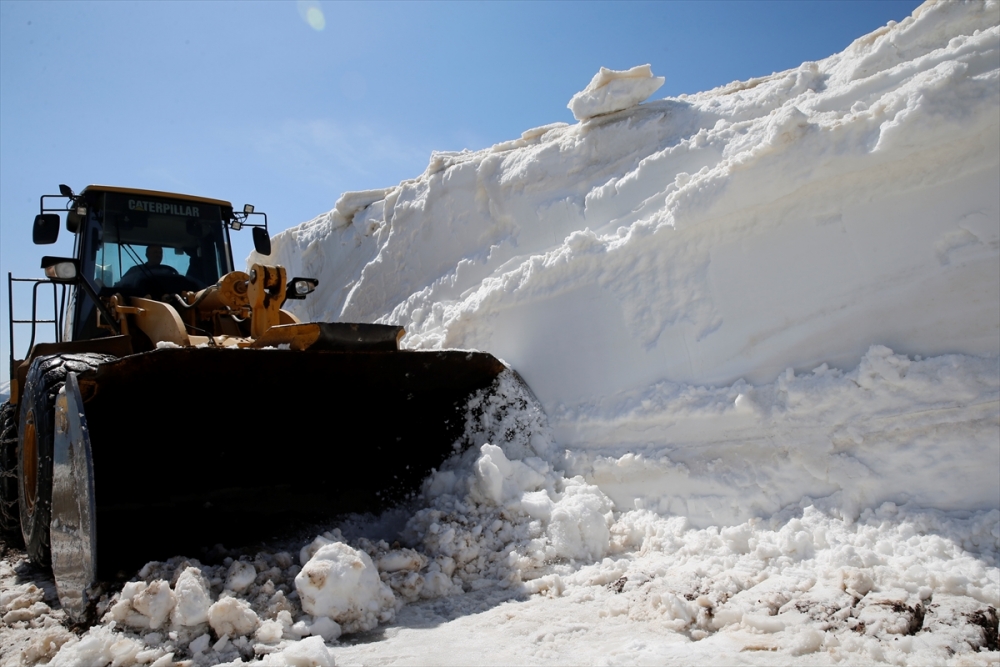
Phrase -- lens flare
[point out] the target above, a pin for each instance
(312, 13)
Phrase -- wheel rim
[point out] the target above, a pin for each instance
(29, 463)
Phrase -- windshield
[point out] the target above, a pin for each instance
(147, 244)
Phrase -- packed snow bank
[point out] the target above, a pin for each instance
(894, 429)
(787, 221)
(730, 300)
(612, 90)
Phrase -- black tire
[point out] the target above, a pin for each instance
(36, 432)
(10, 519)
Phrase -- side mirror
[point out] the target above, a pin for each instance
(61, 269)
(46, 229)
(261, 241)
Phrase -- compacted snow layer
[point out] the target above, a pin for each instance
(761, 330)
(893, 429)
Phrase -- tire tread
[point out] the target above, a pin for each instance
(46, 376)
(10, 520)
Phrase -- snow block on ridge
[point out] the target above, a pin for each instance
(614, 90)
(352, 202)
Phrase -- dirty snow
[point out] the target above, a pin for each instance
(761, 330)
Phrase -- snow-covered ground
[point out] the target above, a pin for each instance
(761, 330)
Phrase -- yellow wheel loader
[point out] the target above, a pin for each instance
(180, 405)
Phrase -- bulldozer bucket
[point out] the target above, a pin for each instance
(196, 446)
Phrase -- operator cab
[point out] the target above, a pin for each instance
(156, 246)
(146, 243)
(134, 243)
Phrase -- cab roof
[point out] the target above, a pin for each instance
(154, 193)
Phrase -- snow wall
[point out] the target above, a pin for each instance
(726, 302)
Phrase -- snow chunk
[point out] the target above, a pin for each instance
(143, 605)
(233, 617)
(580, 523)
(240, 576)
(343, 584)
(193, 598)
(269, 632)
(401, 560)
(614, 90)
(22, 604)
(46, 644)
(500, 479)
(200, 644)
(310, 652)
(309, 550)
(350, 203)
(102, 646)
(21, 598)
(325, 627)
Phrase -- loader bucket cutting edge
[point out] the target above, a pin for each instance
(197, 446)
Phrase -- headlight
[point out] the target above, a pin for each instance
(299, 288)
(60, 268)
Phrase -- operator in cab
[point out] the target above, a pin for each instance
(153, 268)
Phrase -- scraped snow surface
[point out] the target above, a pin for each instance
(761, 330)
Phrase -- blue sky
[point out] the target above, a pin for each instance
(247, 101)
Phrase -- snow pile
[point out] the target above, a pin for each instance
(497, 514)
(25, 609)
(503, 520)
(612, 90)
(787, 221)
(22, 603)
(238, 610)
(728, 301)
(804, 581)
